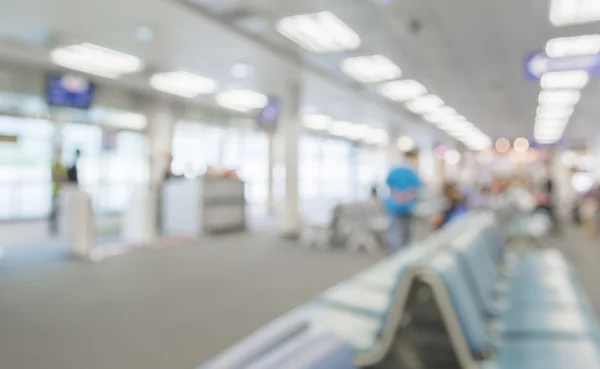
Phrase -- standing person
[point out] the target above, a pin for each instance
(73, 171)
(404, 184)
(59, 176)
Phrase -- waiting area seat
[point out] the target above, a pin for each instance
(459, 299)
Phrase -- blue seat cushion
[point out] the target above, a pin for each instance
(549, 354)
(548, 322)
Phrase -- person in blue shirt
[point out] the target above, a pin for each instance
(405, 185)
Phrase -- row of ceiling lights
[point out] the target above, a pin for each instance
(568, 12)
(323, 32)
(562, 90)
(100, 61)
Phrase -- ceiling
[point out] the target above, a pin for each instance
(469, 52)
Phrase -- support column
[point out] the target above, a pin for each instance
(162, 117)
(290, 226)
(394, 156)
(271, 173)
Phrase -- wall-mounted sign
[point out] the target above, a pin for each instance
(538, 63)
(269, 115)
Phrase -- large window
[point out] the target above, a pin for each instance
(110, 168)
(25, 190)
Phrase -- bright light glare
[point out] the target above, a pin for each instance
(317, 122)
(182, 84)
(569, 158)
(566, 12)
(348, 130)
(376, 136)
(563, 98)
(576, 79)
(371, 69)
(550, 112)
(521, 144)
(319, 32)
(97, 60)
(441, 115)
(242, 100)
(127, 120)
(406, 144)
(452, 157)
(502, 145)
(402, 90)
(573, 46)
(425, 104)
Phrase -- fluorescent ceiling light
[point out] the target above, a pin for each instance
(376, 136)
(425, 104)
(566, 12)
(573, 46)
(182, 84)
(348, 130)
(317, 122)
(371, 69)
(576, 79)
(551, 112)
(402, 90)
(551, 122)
(319, 32)
(242, 100)
(97, 60)
(561, 98)
(440, 115)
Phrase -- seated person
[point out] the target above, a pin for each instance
(456, 206)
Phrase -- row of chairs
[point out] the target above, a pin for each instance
(358, 226)
(456, 300)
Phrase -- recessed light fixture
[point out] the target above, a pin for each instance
(559, 97)
(97, 60)
(242, 100)
(502, 145)
(316, 122)
(521, 144)
(182, 84)
(402, 90)
(321, 32)
(371, 69)
(406, 144)
(144, 33)
(425, 104)
(575, 79)
(242, 70)
(566, 12)
(573, 46)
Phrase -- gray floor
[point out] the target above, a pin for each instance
(172, 308)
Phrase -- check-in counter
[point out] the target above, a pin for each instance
(204, 205)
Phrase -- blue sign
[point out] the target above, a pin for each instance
(70, 90)
(269, 115)
(538, 63)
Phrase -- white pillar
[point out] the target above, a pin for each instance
(394, 156)
(271, 173)
(291, 129)
(162, 117)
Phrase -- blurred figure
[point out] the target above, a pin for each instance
(374, 193)
(482, 197)
(59, 176)
(545, 202)
(73, 171)
(588, 211)
(404, 185)
(456, 206)
(168, 174)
